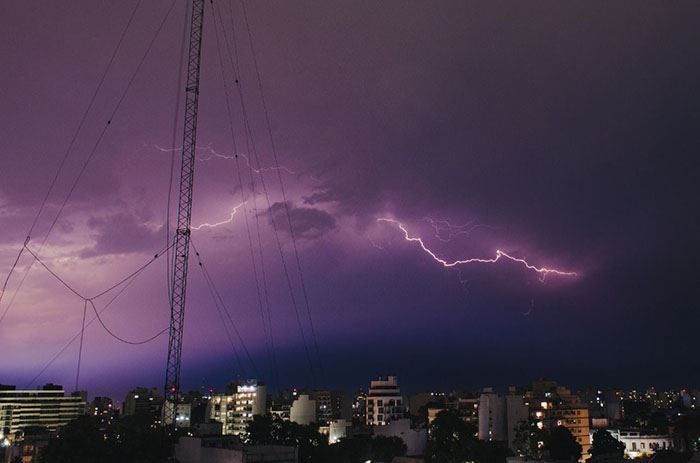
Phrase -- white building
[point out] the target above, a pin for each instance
(384, 401)
(499, 416)
(236, 410)
(492, 416)
(47, 407)
(638, 444)
(303, 410)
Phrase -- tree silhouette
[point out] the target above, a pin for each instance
(604, 444)
(562, 445)
(451, 439)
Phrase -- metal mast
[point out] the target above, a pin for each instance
(184, 214)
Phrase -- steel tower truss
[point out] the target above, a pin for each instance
(184, 215)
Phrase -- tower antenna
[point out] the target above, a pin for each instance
(184, 215)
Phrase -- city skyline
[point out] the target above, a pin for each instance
(548, 137)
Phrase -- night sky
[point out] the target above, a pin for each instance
(565, 133)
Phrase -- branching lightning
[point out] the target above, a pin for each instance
(543, 271)
(445, 231)
(532, 307)
(223, 222)
(211, 153)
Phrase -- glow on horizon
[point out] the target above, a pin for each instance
(543, 271)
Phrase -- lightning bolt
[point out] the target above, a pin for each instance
(532, 307)
(211, 153)
(223, 222)
(543, 271)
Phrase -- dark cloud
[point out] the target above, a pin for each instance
(307, 222)
(322, 195)
(122, 233)
(569, 128)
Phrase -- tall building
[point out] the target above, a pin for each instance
(198, 406)
(324, 410)
(303, 410)
(47, 407)
(500, 416)
(103, 409)
(144, 401)
(332, 405)
(467, 407)
(101, 406)
(517, 413)
(552, 405)
(341, 406)
(384, 401)
(234, 411)
(492, 416)
(359, 407)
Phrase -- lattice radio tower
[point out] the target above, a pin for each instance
(184, 215)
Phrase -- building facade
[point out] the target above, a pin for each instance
(552, 405)
(303, 410)
(27, 449)
(48, 407)
(384, 402)
(492, 416)
(640, 444)
(415, 439)
(234, 411)
(145, 402)
(324, 408)
(500, 416)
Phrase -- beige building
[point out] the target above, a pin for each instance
(552, 405)
(303, 410)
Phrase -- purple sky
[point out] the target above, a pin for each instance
(568, 130)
